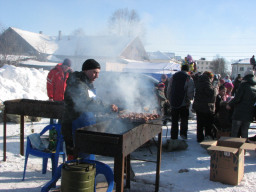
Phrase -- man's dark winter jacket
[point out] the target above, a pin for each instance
(244, 100)
(180, 90)
(77, 99)
(205, 96)
(253, 62)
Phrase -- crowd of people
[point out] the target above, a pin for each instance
(223, 107)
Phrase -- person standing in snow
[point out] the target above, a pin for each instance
(161, 97)
(56, 81)
(229, 87)
(180, 92)
(81, 103)
(236, 84)
(222, 116)
(253, 62)
(164, 79)
(243, 105)
(166, 107)
(204, 105)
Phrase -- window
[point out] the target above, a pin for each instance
(241, 69)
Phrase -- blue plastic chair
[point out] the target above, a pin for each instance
(45, 155)
(101, 168)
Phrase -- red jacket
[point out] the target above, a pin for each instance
(56, 83)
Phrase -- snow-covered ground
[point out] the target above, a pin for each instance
(21, 82)
(195, 159)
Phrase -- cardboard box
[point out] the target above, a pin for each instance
(227, 159)
(223, 134)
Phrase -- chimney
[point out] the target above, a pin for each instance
(40, 32)
(59, 35)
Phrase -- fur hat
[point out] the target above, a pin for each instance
(248, 72)
(90, 64)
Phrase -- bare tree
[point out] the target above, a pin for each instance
(126, 22)
(219, 66)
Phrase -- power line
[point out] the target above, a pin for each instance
(213, 52)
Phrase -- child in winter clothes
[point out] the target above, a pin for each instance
(222, 118)
(229, 87)
(161, 97)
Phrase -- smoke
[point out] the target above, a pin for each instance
(132, 92)
(129, 91)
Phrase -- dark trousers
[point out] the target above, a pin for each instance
(240, 128)
(181, 114)
(66, 130)
(204, 124)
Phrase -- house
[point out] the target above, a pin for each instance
(240, 66)
(203, 65)
(18, 42)
(107, 50)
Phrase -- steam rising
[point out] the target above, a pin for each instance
(129, 91)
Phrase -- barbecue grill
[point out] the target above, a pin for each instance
(110, 136)
(118, 138)
(36, 108)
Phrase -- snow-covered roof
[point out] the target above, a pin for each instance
(42, 43)
(38, 64)
(245, 61)
(146, 67)
(106, 46)
(160, 55)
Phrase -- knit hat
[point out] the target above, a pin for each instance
(164, 76)
(248, 72)
(90, 64)
(67, 62)
(208, 74)
(161, 85)
(228, 85)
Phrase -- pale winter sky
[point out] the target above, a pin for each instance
(202, 28)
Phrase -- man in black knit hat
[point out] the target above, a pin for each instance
(81, 102)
